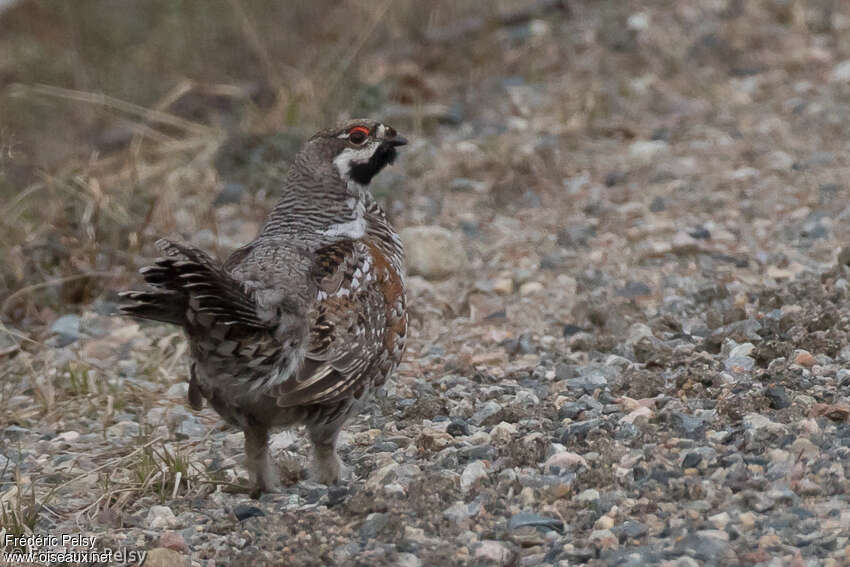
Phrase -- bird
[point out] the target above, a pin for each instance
(302, 324)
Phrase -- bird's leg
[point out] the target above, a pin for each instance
(257, 460)
(327, 467)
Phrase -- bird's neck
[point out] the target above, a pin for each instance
(320, 209)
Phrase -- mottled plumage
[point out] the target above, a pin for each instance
(304, 322)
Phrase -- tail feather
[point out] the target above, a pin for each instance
(167, 307)
(188, 278)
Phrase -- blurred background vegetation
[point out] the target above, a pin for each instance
(109, 111)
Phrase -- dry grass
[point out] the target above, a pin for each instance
(20, 507)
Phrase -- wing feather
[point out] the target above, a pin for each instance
(344, 338)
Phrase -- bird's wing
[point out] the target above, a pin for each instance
(348, 323)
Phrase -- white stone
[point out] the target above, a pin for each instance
(472, 474)
(161, 517)
(495, 551)
(530, 288)
(503, 286)
(69, 436)
(841, 72)
(279, 442)
(720, 520)
(639, 21)
(779, 161)
(503, 432)
(588, 495)
(645, 151)
(566, 460)
(742, 350)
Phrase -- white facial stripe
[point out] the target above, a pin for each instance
(354, 155)
(382, 131)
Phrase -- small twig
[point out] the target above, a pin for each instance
(110, 464)
(101, 99)
(170, 97)
(18, 335)
(177, 477)
(256, 43)
(358, 45)
(477, 24)
(17, 199)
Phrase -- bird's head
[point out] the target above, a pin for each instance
(359, 149)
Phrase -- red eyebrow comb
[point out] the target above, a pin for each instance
(359, 129)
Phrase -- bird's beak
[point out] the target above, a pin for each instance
(396, 141)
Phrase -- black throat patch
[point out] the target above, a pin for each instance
(363, 173)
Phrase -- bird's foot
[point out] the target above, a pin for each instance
(328, 469)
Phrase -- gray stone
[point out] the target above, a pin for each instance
(66, 330)
(245, 511)
(487, 414)
(778, 397)
(630, 529)
(373, 525)
(592, 377)
(460, 511)
(433, 251)
(524, 519)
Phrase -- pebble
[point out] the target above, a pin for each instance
(522, 520)
(631, 529)
(68, 436)
(720, 521)
(803, 358)
(634, 415)
(173, 540)
(473, 474)
(565, 461)
(373, 525)
(503, 286)
(841, 72)
(487, 413)
(460, 511)
(530, 288)
(67, 330)
(778, 397)
(645, 152)
(161, 517)
(245, 511)
(588, 495)
(493, 551)
(503, 432)
(760, 428)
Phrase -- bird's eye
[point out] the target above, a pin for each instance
(358, 135)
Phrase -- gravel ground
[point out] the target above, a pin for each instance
(635, 353)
